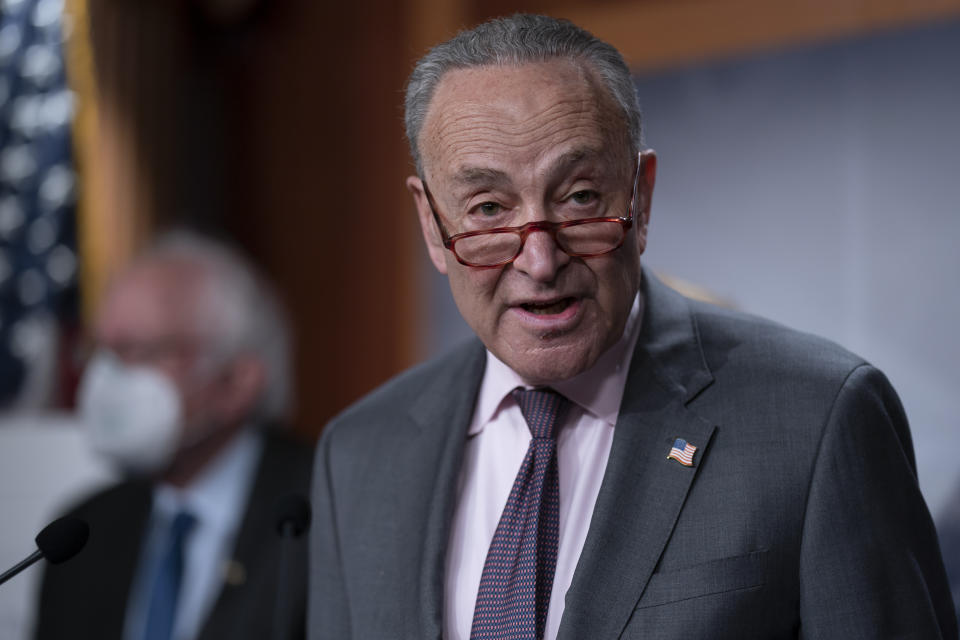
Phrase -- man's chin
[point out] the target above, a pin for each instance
(549, 366)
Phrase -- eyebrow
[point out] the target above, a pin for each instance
(574, 157)
(474, 176)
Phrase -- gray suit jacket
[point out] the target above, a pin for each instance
(800, 518)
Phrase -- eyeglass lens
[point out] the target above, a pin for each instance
(591, 238)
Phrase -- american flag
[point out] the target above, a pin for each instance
(682, 452)
(38, 262)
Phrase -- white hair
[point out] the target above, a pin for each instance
(244, 308)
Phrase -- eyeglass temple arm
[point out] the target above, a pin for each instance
(436, 217)
(636, 184)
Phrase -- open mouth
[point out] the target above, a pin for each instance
(548, 309)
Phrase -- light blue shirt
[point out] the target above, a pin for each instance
(217, 498)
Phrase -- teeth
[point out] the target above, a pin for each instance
(548, 309)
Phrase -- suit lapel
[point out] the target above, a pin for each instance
(120, 555)
(443, 414)
(643, 492)
(283, 467)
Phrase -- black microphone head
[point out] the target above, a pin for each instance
(293, 514)
(62, 539)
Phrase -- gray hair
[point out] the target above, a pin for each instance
(519, 39)
(244, 308)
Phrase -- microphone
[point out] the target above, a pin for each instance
(292, 513)
(58, 542)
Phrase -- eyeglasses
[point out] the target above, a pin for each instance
(490, 248)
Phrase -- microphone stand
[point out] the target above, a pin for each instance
(20, 566)
(281, 612)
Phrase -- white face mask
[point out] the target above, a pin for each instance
(133, 415)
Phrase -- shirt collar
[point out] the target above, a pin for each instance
(598, 390)
(217, 494)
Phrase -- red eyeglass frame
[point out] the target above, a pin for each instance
(449, 242)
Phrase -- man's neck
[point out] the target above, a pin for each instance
(192, 460)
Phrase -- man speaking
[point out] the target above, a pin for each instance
(609, 459)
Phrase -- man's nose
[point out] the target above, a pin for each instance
(541, 258)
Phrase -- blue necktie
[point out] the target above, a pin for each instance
(517, 576)
(166, 586)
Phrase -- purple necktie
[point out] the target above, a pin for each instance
(517, 576)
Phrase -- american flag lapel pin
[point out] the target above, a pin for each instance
(682, 451)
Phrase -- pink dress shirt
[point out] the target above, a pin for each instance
(497, 441)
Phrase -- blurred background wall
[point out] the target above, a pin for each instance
(808, 172)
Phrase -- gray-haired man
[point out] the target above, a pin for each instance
(609, 459)
(191, 367)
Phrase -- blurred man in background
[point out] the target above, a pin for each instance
(609, 459)
(185, 392)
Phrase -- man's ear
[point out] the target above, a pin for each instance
(647, 178)
(428, 226)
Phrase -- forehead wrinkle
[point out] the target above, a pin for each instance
(470, 148)
(470, 132)
(474, 119)
(477, 175)
(554, 112)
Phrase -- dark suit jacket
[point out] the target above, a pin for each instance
(948, 527)
(86, 598)
(801, 516)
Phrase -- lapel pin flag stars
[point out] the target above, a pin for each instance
(682, 451)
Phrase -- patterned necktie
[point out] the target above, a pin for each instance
(166, 586)
(517, 576)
